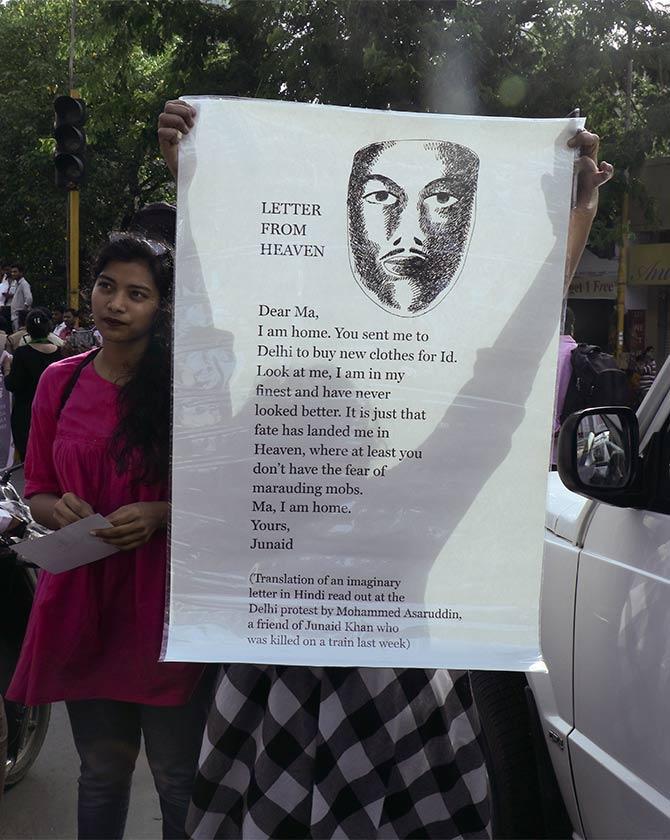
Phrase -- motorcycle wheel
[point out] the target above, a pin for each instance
(33, 732)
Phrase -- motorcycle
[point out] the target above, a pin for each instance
(26, 725)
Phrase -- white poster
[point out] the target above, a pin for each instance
(365, 348)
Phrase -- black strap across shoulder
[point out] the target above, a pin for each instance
(69, 388)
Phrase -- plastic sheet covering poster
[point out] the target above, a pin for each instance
(365, 345)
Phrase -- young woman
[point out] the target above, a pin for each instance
(29, 363)
(301, 752)
(99, 443)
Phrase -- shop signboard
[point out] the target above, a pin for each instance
(649, 265)
(593, 288)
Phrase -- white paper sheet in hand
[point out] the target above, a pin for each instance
(68, 548)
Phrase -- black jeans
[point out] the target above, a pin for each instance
(107, 737)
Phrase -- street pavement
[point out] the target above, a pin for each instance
(44, 804)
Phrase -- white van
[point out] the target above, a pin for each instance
(585, 749)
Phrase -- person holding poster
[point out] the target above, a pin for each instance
(297, 751)
(99, 442)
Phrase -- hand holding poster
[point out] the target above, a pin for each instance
(364, 367)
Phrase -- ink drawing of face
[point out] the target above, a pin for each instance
(411, 207)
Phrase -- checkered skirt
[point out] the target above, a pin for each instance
(293, 752)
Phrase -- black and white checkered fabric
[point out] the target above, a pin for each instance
(340, 752)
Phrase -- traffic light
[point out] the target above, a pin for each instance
(70, 156)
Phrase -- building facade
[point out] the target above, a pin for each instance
(592, 293)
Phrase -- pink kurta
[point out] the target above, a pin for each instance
(96, 631)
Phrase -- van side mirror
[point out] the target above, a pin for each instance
(598, 454)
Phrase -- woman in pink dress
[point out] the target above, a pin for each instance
(99, 443)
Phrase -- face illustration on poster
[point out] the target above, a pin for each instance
(411, 206)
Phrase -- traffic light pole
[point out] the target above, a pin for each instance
(73, 246)
(73, 195)
(70, 166)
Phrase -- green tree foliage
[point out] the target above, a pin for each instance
(529, 58)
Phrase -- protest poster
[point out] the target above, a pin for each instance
(366, 325)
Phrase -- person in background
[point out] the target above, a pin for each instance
(69, 323)
(20, 294)
(82, 340)
(5, 330)
(646, 369)
(5, 298)
(303, 752)
(27, 366)
(57, 316)
(5, 363)
(21, 336)
(16, 338)
(566, 345)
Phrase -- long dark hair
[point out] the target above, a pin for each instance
(141, 440)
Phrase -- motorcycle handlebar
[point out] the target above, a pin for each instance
(7, 474)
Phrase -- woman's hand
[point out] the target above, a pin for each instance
(70, 508)
(134, 525)
(175, 121)
(590, 176)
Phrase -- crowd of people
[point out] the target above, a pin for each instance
(31, 339)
